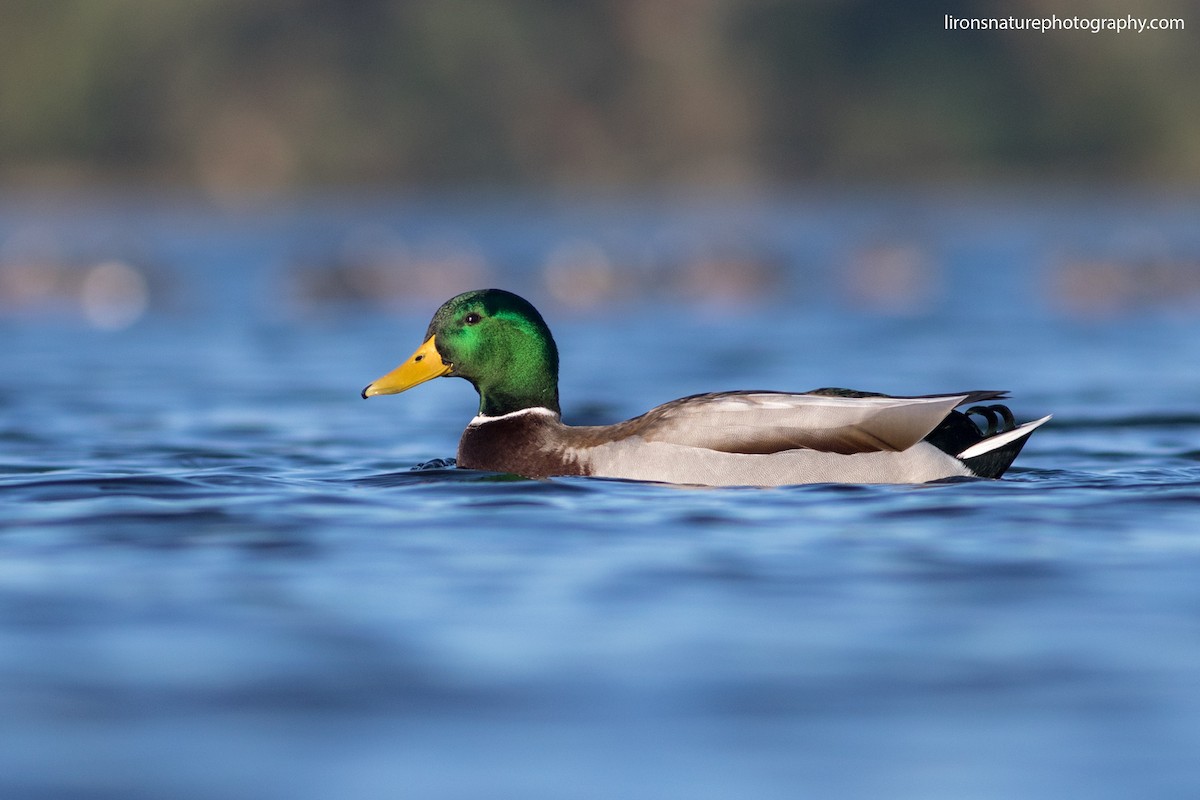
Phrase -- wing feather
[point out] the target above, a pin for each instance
(771, 422)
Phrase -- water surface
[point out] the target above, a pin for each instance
(221, 576)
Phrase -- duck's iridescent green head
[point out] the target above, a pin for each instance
(494, 339)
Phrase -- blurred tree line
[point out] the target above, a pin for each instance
(277, 94)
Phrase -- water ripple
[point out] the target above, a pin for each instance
(204, 564)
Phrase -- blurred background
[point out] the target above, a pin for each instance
(230, 97)
(385, 154)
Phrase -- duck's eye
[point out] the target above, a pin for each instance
(472, 318)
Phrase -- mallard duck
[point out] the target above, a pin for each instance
(500, 343)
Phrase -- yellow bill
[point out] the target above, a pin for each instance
(423, 365)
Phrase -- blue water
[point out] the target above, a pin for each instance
(220, 575)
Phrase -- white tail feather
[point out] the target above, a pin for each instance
(999, 440)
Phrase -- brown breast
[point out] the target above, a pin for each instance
(530, 444)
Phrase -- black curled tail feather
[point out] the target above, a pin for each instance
(958, 433)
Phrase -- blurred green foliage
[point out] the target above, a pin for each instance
(278, 94)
